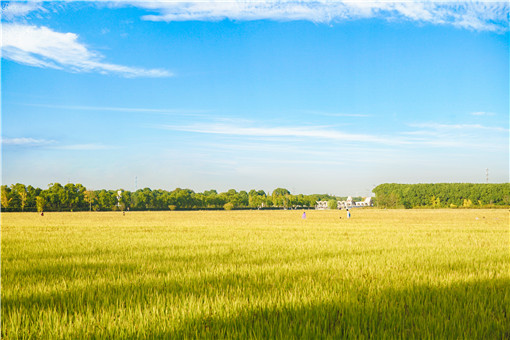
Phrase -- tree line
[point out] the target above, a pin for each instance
(442, 195)
(76, 197)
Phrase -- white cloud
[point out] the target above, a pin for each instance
(24, 141)
(465, 127)
(300, 132)
(432, 134)
(85, 147)
(43, 47)
(481, 113)
(15, 9)
(333, 114)
(33, 142)
(183, 112)
(479, 15)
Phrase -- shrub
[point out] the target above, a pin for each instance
(332, 204)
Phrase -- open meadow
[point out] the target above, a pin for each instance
(256, 274)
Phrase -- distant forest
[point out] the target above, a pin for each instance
(75, 197)
(442, 195)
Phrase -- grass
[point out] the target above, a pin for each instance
(256, 274)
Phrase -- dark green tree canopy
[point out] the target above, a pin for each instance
(75, 197)
(442, 195)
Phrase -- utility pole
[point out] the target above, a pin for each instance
(136, 183)
(487, 175)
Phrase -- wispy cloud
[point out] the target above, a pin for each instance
(482, 113)
(303, 132)
(192, 112)
(431, 135)
(484, 15)
(85, 147)
(15, 9)
(478, 15)
(24, 141)
(338, 114)
(52, 144)
(43, 47)
(463, 127)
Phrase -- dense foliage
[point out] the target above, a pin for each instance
(75, 197)
(442, 195)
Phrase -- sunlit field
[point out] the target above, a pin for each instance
(256, 274)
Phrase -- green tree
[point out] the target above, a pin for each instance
(332, 204)
(23, 196)
(5, 199)
(435, 202)
(385, 200)
(19, 195)
(242, 199)
(106, 200)
(73, 196)
(89, 197)
(55, 196)
(257, 199)
(467, 203)
(281, 197)
(40, 203)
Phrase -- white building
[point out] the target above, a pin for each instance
(321, 205)
(349, 203)
(366, 203)
(346, 204)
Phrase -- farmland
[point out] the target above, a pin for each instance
(256, 274)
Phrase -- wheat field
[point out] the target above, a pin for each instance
(256, 274)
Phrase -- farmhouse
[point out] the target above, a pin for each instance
(345, 204)
(366, 203)
(349, 203)
(321, 205)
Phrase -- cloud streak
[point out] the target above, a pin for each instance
(332, 114)
(312, 132)
(186, 112)
(52, 144)
(459, 127)
(482, 113)
(478, 15)
(302, 132)
(432, 135)
(85, 147)
(24, 141)
(14, 9)
(45, 48)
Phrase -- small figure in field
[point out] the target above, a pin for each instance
(348, 214)
(123, 213)
(42, 214)
(304, 215)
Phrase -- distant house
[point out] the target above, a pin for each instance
(347, 204)
(366, 203)
(321, 205)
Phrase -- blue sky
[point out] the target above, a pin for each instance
(322, 97)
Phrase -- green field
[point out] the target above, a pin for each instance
(256, 274)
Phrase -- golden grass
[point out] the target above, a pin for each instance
(256, 274)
